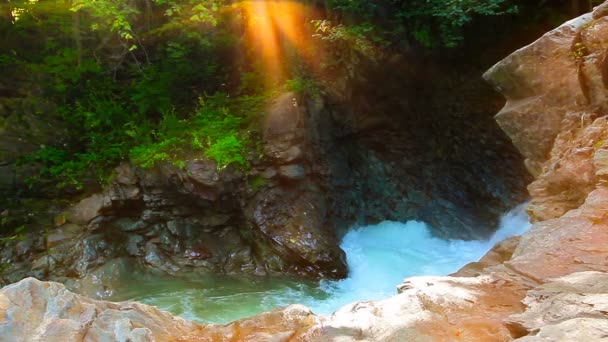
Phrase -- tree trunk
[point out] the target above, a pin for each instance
(5, 12)
(76, 36)
(6, 22)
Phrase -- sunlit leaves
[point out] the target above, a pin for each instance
(115, 15)
(119, 16)
(215, 130)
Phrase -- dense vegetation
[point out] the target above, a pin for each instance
(431, 23)
(167, 80)
(126, 81)
(159, 79)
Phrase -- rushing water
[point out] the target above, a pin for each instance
(379, 258)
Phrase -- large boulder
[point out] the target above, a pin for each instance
(538, 98)
(292, 220)
(556, 111)
(31, 310)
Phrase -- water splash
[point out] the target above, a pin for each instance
(381, 256)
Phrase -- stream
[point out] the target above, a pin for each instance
(379, 258)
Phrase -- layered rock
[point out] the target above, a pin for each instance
(548, 285)
(195, 220)
(386, 142)
(555, 112)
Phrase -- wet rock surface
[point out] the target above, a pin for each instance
(381, 149)
(194, 221)
(548, 285)
(402, 145)
(322, 171)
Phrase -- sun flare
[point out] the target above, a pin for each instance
(277, 30)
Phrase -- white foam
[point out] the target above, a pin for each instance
(381, 256)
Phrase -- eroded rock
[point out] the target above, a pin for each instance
(569, 308)
(31, 310)
(537, 97)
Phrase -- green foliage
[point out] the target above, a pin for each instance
(127, 77)
(362, 38)
(257, 182)
(16, 235)
(303, 85)
(64, 76)
(444, 20)
(217, 128)
(431, 23)
(227, 150)
(118, 15)
(113, 15)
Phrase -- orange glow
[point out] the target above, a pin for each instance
(275, 29)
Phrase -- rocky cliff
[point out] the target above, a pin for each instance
(195, 220)
(395, 144)
(550, 284)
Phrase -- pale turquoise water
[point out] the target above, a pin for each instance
(379, 258)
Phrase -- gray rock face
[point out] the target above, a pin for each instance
(294, 171)
(199, 220)
(326, 165)
(404, 145)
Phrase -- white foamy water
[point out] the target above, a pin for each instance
(379, 258)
